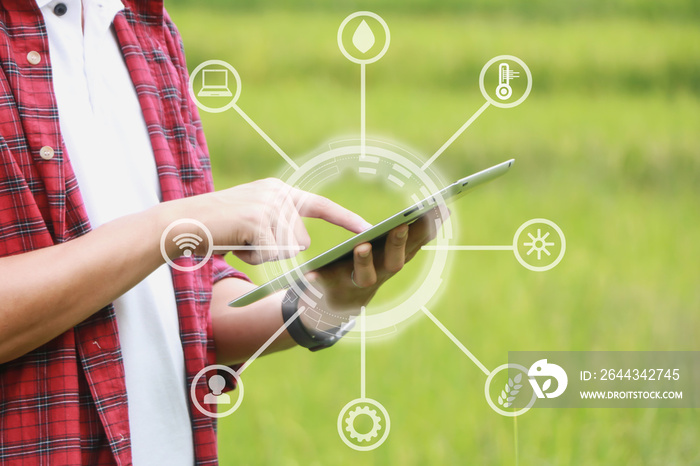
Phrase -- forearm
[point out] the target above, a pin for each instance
(240, 332)
(45, 292)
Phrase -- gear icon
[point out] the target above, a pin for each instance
(376, 423)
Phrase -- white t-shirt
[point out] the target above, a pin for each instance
(110, 150)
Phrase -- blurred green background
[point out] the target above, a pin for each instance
(607, 146)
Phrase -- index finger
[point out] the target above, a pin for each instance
(314, 206)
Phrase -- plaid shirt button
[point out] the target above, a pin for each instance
(46, 153)
(34, 57)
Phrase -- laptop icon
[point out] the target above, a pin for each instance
(214, 84)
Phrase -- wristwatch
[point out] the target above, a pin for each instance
(313, 340)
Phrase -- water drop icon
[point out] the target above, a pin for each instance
(363, 38)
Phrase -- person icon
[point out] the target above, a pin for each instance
(216, 385)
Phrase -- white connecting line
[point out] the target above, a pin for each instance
(467, 248)
(258, 248)
(363, 338)
(363, 107)
(363, 111)
(456, 341)
(455, 136)
(274, 336)
(266, 137)
(435, 319)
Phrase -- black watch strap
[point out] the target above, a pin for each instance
(314, 341)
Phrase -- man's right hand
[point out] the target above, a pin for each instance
(266, 213)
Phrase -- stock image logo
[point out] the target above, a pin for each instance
(547, 372)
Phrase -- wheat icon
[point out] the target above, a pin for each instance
(510, 391)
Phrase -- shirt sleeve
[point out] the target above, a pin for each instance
(221, 269)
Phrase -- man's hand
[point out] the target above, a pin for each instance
(351, 284)
(240, 332)
(266, 213)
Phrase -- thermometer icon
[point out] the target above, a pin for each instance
(505, 74)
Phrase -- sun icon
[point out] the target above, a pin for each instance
(538, 244)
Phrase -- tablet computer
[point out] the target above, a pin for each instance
(375, 233)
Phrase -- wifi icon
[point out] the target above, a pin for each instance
(187, 242)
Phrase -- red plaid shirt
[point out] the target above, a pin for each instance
(65, 402)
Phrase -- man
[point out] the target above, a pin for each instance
(101, 149)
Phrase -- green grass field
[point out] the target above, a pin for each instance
(607, 146)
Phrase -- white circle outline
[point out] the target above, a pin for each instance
(500, 411)
(522, 261)
(396, 314)
(233, 100)
(377, 405)
(483, 88)
(207, 233)
(193, 391)
(365, 61)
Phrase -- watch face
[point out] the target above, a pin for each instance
(300, 333)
